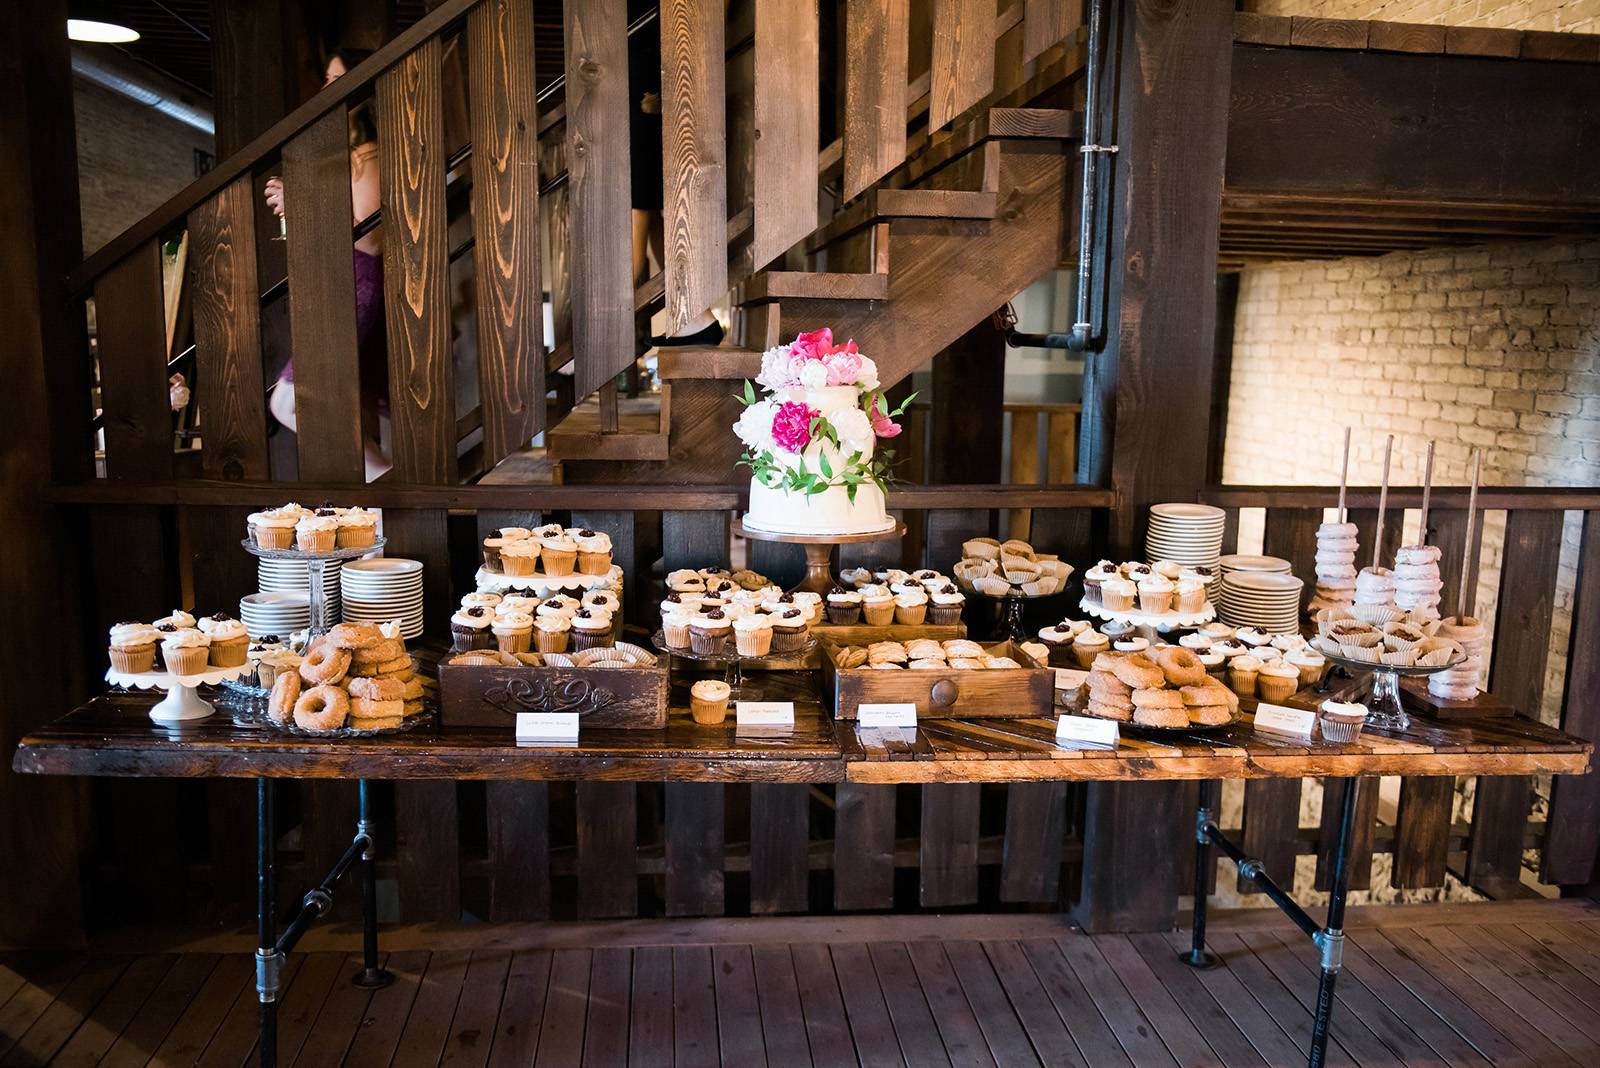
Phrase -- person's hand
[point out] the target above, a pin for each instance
(275, 195)
(650, 103)
(177, 392)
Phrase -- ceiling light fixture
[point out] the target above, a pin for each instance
(90, 31)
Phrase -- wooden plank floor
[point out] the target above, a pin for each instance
(1506, 984)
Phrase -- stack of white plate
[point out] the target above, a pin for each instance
(1266, 600)
(289, 576)
(275, 613)
(384, 588)
(1186, 534)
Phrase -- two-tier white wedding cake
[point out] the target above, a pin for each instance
(811, 440)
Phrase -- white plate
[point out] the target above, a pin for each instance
(386, 565)
(1262, 581)
(1186, 510)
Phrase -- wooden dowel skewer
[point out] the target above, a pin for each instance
(1427, 490)
(1383, 501)
(1463, 607)
(1344, 476)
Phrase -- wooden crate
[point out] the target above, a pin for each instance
(626, 698)
(1415, 697)
(1012, 693)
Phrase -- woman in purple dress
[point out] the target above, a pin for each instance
(368, 265)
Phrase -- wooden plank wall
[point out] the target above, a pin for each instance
(875, 63)
(786, 117)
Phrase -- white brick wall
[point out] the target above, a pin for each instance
(1566, 16)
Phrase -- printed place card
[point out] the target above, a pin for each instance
(1282, 720)
(547, 726)
(764, 713)
(1070, 678)
(901, 715)
(1087, 729)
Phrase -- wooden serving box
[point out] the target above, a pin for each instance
(632, 698)
(1415, 697)
(1018, 693)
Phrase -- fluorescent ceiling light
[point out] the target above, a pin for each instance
(92, 32)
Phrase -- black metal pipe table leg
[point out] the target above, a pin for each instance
(1330, 940)
(371, 977)
(268, 959)
(1198, 956)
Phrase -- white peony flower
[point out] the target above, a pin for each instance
(774, 368)
(868, 378)
(754, 426)
(854, 429)
(814, 375)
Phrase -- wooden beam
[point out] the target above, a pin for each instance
(786, 118)
(131, 341)
(1572, 847)
(874, 90)
(694, 180)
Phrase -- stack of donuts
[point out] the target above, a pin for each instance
(356, 676)
(1164, 687)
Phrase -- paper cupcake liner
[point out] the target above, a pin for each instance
(1376, 614)
(1437, 658)
(1398, 645)
(1368, 654)
(1400, 658)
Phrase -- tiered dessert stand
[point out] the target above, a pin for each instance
(183, 701)
(316, 563)
(819, 550)
(732, 661)
(1011, 605)
(1153, 623)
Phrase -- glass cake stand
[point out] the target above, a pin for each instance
(731, 660)
(819, 550)
(316, 564)
(1384, 709)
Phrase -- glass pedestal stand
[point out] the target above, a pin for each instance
(1382, 689)
(316, 574)
(1011, 605)
(819, 550)
(732, 662)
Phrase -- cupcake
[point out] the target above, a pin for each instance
(591, 629)
(469, 628)
(605, 599)
(520, 558)
(1087, 645)
(1117, 629)
(1155, 594)
(1215, 663)
(1311, 665)
(229, 641)
(1277, 681)
(1190, 595)
(675, 627)
(513, 602)
(811, 604)
(133, 647)
(752, 634)
(560, 552)
(178, 620)
(844, 606)
(1095, 577)
(513, 632)
(1170, 570)
(1217, 630)
(1342, 721)
(316, 533)
(1243, 671)
(481, 598)
(709, 631)
(686, 581)
(877, 604)
(1197, 641)
(1057, 637)
(274, 529)
(550, 633)
(945, 604)
(1117, 594)
(910, 607)
(594, 551)
(708, 702)
(184, 650)
(1132, 644)
(261, 656)
(357, 528)
(496, 541)
(788, 630)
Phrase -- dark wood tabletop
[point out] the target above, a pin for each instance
(112, 735)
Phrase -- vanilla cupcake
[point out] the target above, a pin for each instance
(708, 702)
(675, 627)
(945, 603)
(561, 605)
(910, 608)
(551, 633)
(1215, 663)
(229, 640)
(520, 558)
(709, 632)
(1132, 644)
(184, 650)
(1190, 595)
(559, 552)
(178, 620)
(1243, 672)
(1311, 665)
(877, 604)
(844, 606)
(594, 551)
(516, 602)
(357, 528)
(591, 629)
(1095, 577)
(274, 529)
(1087, 645)
(1117, 594)
(1197, 641)
(1170, 570)
(1277, 681)
(1155, 594)
(685, 580)
(752, 634)
(513, 631)
(133, 647)
(316, 533)
(598, 598)
(481, 599)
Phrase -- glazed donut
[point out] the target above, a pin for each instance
(377, 689)
(367, 708)
(1138, 672)
(403, 663)
(285, 692)
(355, 635)
(1181, 666)
(322, 708)
(387, 723)
(324, 663)
(386, 649)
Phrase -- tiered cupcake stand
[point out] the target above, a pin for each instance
(1151, 624)
(819, 550)
(732, 661)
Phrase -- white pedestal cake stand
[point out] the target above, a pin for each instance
(182, 701)
(819, 550)
(1157, 622)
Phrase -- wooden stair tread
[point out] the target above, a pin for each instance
(820, 285)
(881, 204)
(640, 433)
(721, 361)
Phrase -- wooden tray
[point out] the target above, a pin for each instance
(627, 698)
(1023, 693)
(1415, 697)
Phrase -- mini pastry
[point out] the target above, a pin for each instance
(708, 702)
(133, 647)
(686, 581)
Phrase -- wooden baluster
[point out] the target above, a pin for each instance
(1572, 836)
(694, 539)
(863, 847)
(949, 860)
(694, 179)
(1044, 22)
(1521, 645)
(963, 58)
(556, 222)
(1036, 817)
(1024, 466)
(1271, 820)
(415, 268)
(1291, 533)
(227, 331)
(601, 279)
(322, 301)
(786, 118)
(780, 828)
(505, 224)
(1366, 521)
(1450, 535)
(130, 325)
(694, 849)
(1366, 820)
(608, 850)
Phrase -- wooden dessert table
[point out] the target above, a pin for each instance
(113, 736)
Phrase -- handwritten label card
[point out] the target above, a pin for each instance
(1070, 678)
(1282, 720)
(547, 726)
(903, 715)
(763, 716)
(1087, 729)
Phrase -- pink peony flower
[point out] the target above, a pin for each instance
(813, 346)
(882, 425)
(843, 367)
(848, 347)
(791, 426)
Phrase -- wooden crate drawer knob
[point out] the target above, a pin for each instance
(944, 693)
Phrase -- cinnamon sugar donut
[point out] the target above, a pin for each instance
(362, 708)
(1138, 672)
(324, 662)
(377, 689)
(355, 635)
(285, 692)
(1181, 666)
(322, 708)
(387, 723)
(387, 649)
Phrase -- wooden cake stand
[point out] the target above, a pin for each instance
(819, 550)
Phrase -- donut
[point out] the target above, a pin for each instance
(1138, 672)
(385, 649)
(1161, 715)
(285, 692)
(367, 708)
(387, 723)
(1105, 682)
(1100, 711)
(1157, 698)
(414, 708)
(1181, 666)
(1209, 715)
(321, 708)
(324, 663)
(355, 635)
(1103, 662)
(378, 689)
(1206, 692)
(411, 689)
(403, 663)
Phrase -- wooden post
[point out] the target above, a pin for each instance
(1173, 74)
